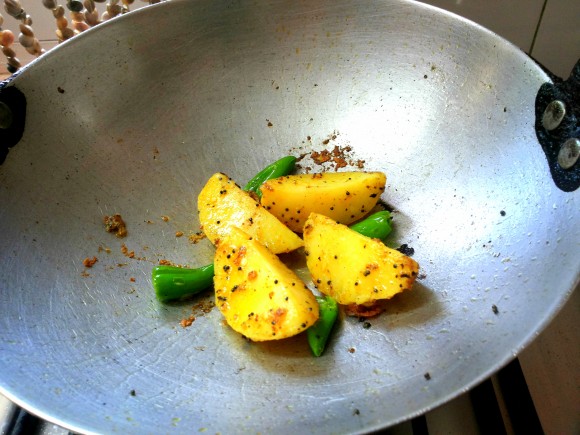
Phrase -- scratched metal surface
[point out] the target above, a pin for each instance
(133, 116)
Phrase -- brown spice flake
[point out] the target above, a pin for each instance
(115, 224)
(252, 275)
(102, 249)
(126, 252)
(164, 262)
(165, 218)
(132, 279)
(202, 308)
(90, 262)
(320, 157)
(179, 234)
(339, 162)
(187, 321)
(195, 238)
(337, 158)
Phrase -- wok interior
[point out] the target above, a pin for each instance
(126, 120)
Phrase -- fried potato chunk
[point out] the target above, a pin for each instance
(223, 205)
(259, 295)
(342, 196)
(352, 268)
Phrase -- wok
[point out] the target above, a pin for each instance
(133, 116)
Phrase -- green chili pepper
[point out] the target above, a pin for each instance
(279, 168)
(172, 282)
(318, 333)
(377, 225)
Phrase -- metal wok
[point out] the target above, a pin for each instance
(133, 116)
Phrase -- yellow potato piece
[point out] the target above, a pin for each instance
(259, 295)
(223, 204)
(342, 196)
(352, 268)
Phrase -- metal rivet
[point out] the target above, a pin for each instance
(553, 115)
(569, 153)
(5, 116)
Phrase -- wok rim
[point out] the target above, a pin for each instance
(551, 314)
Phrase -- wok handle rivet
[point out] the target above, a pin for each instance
(553, 115)
(569, 153)
(6, 117)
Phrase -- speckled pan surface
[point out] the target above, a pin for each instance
(134, 116)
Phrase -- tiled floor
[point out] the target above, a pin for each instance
(548, 30)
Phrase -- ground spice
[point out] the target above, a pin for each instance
(126, 252)
(187, 322)
(195, 238)
(90, 262)
(115, 224)
(336, 158)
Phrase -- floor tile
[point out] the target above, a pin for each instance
(514, 20)
(557, 44)
(550, 365)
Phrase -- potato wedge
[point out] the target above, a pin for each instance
(223, 204)
(342, 196)
(259, 295)
(352, 268)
